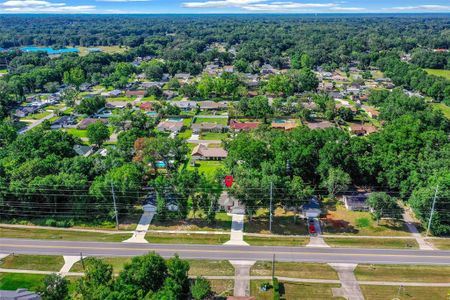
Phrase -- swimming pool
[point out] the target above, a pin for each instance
(152, 113)
(175, 119)
(50, 50)
(160, 164)
(279, 121)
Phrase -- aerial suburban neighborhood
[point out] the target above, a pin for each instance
(224, 157)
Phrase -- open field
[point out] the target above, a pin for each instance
(12, 281)
(276, 241)
(377, 292)
(403, 273)
(174, 238)
(32, 262)
(339, 220)
(372, 243)
(437, 72)
(284, 222)
(210, 268)
(290, 290)
(106, 49)
(199, 223)
(294, 270)
(45, 234)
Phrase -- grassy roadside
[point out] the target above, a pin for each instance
(372, 243)
(291, 290)
(222, 288)
(199, 223)
(46, 234)
(33, 262)
(441, 244)
(176, 238)
(276, 241)
(376, 292)
(406, 273)
(12, 281)
(294, 270)
(116, 262)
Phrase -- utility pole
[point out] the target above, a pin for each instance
(432, 210)
(270, 212)
(115, 206)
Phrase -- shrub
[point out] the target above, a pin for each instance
(362, 222)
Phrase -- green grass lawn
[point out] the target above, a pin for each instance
(3, 71)
(38, 116)
(406, 273)
(276, 241)
(284, 222)
(291, 290)
(372, 243)
(209, 168)
(442, 107)
(223, 121)
(294, 270)
(199, 223)
(377, 292)
(437, 72)
(175, 238)
(187, 122)
(121, 99)
(77, 132)
(213, 136)
(117, 263)
(33, 262)
(210, 268)
(186, 134)
(105, 49)
(45, 234)
(441, 244)
(12, 281)
(339, 220)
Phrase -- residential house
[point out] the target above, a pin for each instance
(351, 107)
(289, 125)
(356, 202)
(185, 105)
(117, 104)
(83, 125)
(169, 95)
(372, 112)
(202, 152)
(207, 127)
(211, 105)
(227, 202)
(138, 93)
(25, 111)
(146, 106)
(170, 126)
(319, 124)
(86, 87)
(267, 69)
(183, 77)
(311, 209)
(243, 126)
(113, 93)
(19, 294)
(147, 85)
(362, 129)
(228, 69)
(251, 80)
(83, 150)
(212, 69)
(63, 122)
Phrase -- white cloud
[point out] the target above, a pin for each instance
(220, 3)
(425, 7)
(343, 9)
(41, 6)
(283, 6)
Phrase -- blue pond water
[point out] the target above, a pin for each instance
(50, 50)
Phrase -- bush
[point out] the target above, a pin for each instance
(276, 289)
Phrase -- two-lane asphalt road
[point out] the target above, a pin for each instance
(225, 252)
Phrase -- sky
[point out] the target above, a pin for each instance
(222, 6)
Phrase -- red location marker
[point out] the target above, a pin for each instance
(229, 181)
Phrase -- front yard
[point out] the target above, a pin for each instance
(284, 222)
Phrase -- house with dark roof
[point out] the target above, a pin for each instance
(63, 122)
(19, 294)
(211, 105)
(83, 125)
(311, 209)
(356, 202)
